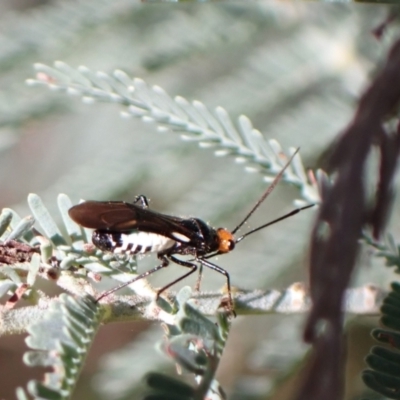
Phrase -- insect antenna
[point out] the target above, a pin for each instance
(270, 188)
(291, 213)
(240, 238)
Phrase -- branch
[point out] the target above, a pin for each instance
(363, 300)
(343, 215)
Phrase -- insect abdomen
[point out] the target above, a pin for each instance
(132, 243)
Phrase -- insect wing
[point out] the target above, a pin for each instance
(118, 216)
(101, 215)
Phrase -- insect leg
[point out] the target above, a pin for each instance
(164, 263)
(197, 287)
(206, 263)
(142, 200)
(187, 264)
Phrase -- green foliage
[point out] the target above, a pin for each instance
(61, 340)
(154, 105)
(195, 343)
(387, 249)
(383, 377)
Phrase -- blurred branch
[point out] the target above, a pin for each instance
(343, 215)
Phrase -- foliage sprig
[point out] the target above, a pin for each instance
(193, 120)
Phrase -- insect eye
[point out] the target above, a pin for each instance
(231, 245)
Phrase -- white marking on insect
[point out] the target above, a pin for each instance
(145, 241)
(180, 237)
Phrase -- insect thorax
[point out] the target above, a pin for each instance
(203, 239)
(135, 242)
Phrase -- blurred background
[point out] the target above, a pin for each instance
(295, 69)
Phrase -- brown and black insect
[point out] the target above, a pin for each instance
(132, 228)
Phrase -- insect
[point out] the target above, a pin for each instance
(132, 228)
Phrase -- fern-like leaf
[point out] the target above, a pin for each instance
(196, 344)
(193, 120)
(383, 377)
(62, 340)
(387, 249)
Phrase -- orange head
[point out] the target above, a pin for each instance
(226, 241)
